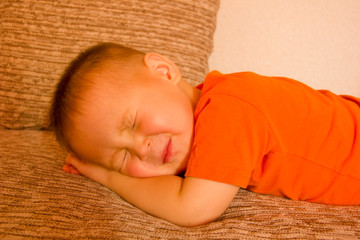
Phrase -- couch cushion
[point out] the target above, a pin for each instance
(38, 200)
(38, 39)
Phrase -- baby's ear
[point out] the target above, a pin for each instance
(160, 64)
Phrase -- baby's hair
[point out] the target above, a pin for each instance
(77, 79)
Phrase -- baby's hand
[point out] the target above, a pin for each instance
(95, 172)
(68, 168)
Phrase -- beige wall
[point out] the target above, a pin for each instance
(314, 41)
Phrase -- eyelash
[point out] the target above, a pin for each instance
(126, 153)
(133, 123)
(123, 162)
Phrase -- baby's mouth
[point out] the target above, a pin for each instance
(167, 153)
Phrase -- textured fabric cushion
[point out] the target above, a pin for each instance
(38, 39)
(38, 200)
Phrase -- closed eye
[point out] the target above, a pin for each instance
(133, 126)
(133, 123)
(118, 159)
(126, 152)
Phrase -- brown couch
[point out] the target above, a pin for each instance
(38, 200)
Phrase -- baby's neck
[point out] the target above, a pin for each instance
(191, 92)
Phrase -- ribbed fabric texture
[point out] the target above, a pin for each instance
(38, 200)
(39, 38)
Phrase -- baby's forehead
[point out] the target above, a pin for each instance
(107, 82)
(106, 88)
(110, 76)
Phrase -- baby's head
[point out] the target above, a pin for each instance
(125, 110)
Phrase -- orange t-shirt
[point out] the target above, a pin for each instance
(277, 136)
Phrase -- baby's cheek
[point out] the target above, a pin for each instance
(136, 169)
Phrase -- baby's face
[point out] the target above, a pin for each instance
(142, 129)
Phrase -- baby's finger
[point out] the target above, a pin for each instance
(70, 158)
(75, 171)
(66, 168)
(70, 169)
(90, 170)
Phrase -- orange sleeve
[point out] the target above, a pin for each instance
(230, 137)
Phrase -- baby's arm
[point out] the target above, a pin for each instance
(187, 202)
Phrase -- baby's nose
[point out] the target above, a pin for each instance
(142, 148)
